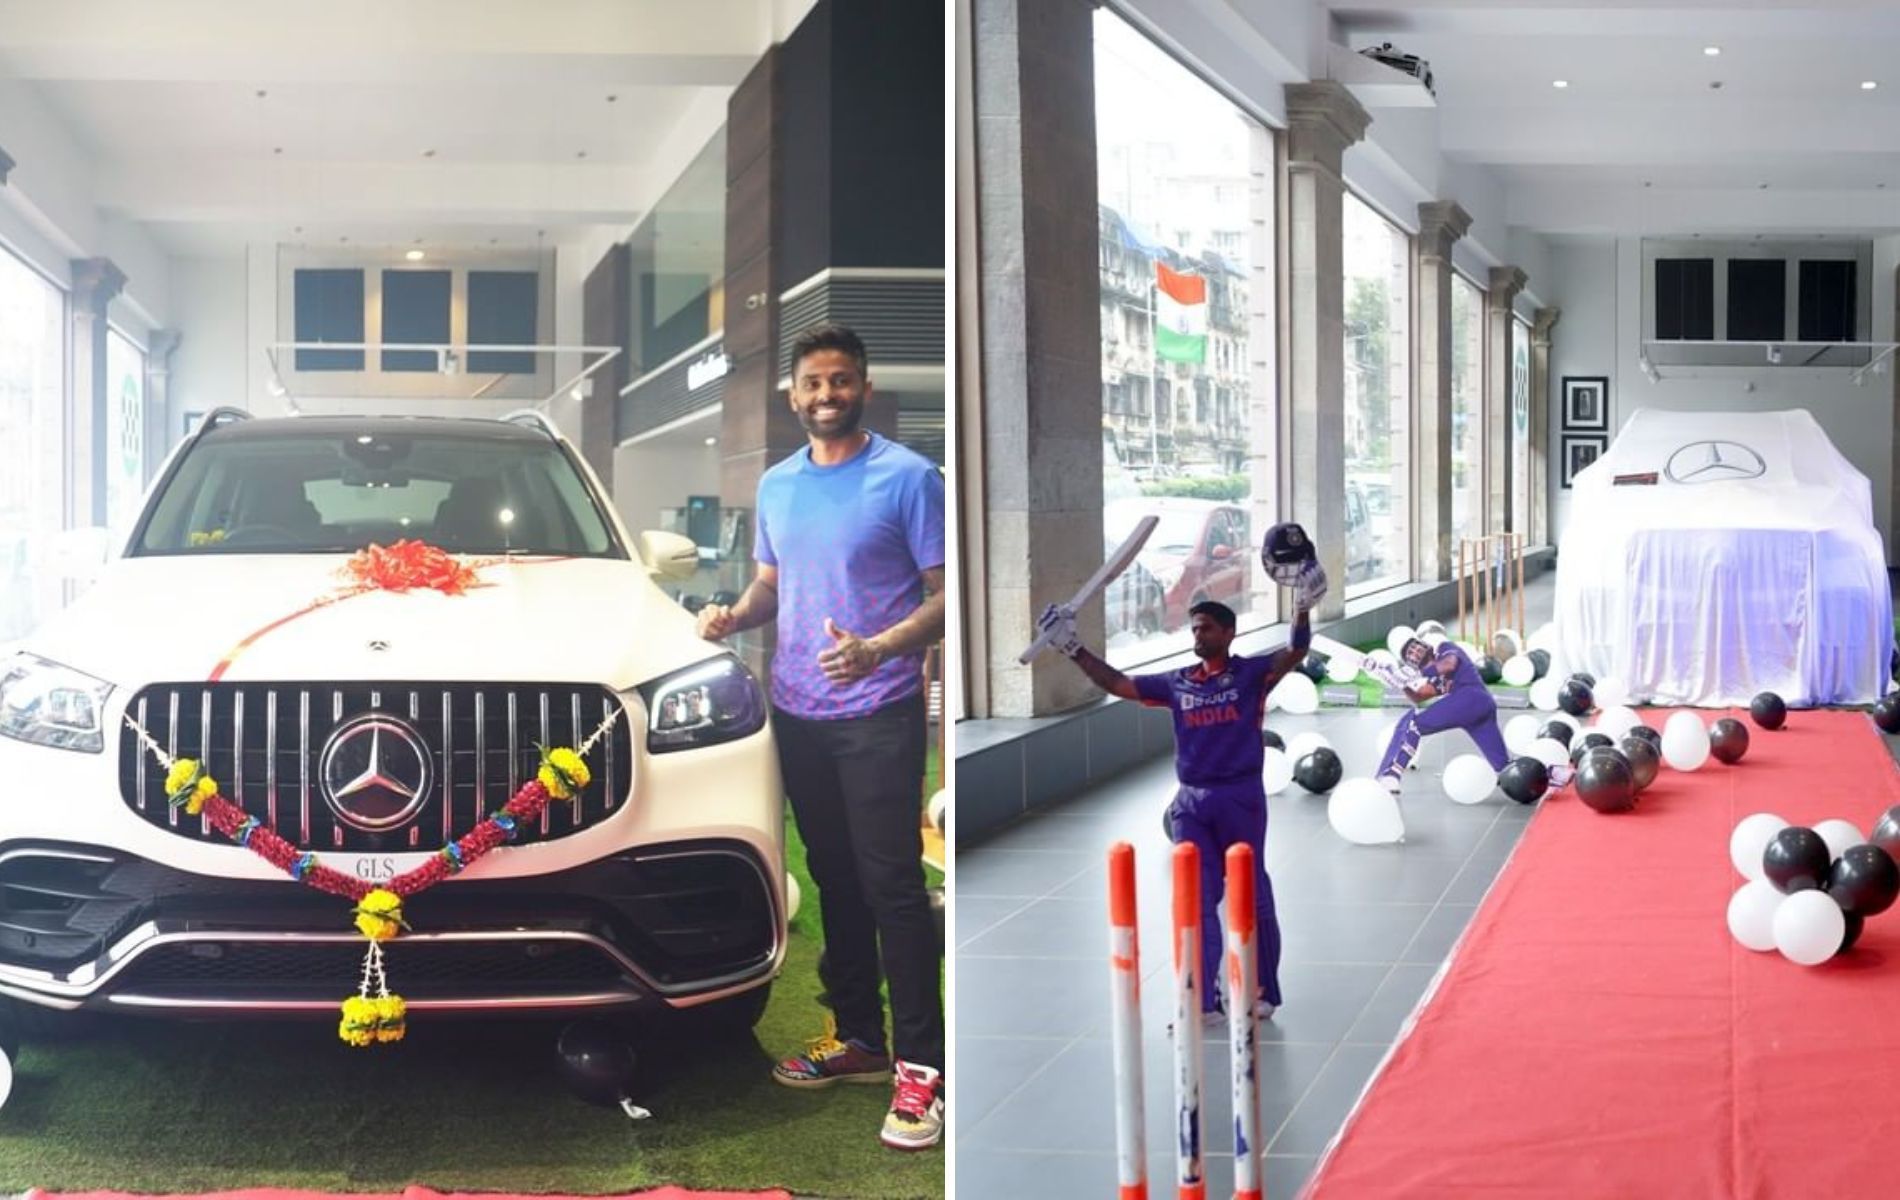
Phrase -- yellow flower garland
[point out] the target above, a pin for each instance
(562, 773)
(189, 784)
(379, 916)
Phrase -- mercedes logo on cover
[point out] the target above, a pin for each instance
(1715, 462)
(375, 772)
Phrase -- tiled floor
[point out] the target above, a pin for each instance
(1365, 930)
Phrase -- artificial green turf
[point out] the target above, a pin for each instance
(167, 1107)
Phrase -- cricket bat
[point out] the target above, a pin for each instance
(1115, 565)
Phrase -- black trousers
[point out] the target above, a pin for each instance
(854, 786)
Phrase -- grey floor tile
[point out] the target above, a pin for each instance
(1348, 933)
(1028, 997)
(1395, 1001)
(1036, 1175)
(1473, 881)
(976, 915)
(1439, 933)
(989, 1070)
(1405, 878)
(1324, 1107)
(1050, 928)
(1026, 873)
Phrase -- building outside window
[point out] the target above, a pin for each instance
(32, 426)
(1185, 221)
(1378, 400)
(1520, 426)
(1467, 408)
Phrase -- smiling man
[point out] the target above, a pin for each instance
(850, 567)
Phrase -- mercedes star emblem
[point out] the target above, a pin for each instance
(375, 772)
(1715, 462)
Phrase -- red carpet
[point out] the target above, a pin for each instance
(414, 1193)
(1599, 1034)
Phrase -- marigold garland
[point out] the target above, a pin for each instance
(374, 1014)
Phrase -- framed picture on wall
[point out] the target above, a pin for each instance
(1580, 450)
(1586, 402)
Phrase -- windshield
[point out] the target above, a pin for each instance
(307, 494)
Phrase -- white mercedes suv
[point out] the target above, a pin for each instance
(372, 727)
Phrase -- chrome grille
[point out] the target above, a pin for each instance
(482, 740)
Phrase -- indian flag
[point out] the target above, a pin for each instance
(1180, 316)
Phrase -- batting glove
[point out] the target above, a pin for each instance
(1057, 624)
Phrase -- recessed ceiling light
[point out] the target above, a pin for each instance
(612, 98)
(277, 150)
(1711, 51)
(1762, 186)
(712, 441)
(343, 239)
(1646, 183)
(1715, 85)
(1560, 83)
(428, 154)
(261, 93)
(1868, 85)
(580, 154)
(413, 255)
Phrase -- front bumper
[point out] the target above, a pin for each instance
(671, 924)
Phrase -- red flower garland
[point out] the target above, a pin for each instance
(231, 821)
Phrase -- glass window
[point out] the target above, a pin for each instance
(1520, 426)
(328, 303)
(125, 431)
(1186, 268)
(32, 426)
(678, 258)
(501, 312)
(415, 310)
(1378, 383)
(1467, 408)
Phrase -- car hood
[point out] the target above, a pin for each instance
(265, 617)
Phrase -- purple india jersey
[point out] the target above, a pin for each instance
(1452, 670)
(851, 542)
(1217, 718)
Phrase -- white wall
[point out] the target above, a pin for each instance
(208, 311)
(1598, 285)
(657, 475)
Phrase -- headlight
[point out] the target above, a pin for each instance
(50, 705)
(713, 702)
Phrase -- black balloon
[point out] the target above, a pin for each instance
(1886, 832)
(1864, 880)
(1272, 740)
(597, 1064)
(1796, 859)
(1644, 760)
(1490, 669)
(1319, 771)
(1525, 780)
(1887, 712)
(1851, 934)
(1588, 679)
(1592, 740)
(1605, 783)
(1728, 740)
(1314, 668)
(1540, 663)
(1769, 710)
(1559, 731)
(1575, 697)
(1649, 734)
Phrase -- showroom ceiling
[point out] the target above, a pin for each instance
(1640, 138)
(507, 122)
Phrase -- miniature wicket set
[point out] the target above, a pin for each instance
(1241, 970)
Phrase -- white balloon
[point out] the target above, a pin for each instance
(1808, 927)
(1427, 628)
(1469, 779)
(1617, 720)
(1685, 742)
(1344, 666)
(1296, 694)
(1399, 635)
(1520, 731)
(1610, 692)
(1548, 751)
(791, 899)
(1276, 774)
(1362, 811)
(1434, 639)
(1751, 914)
(1519, 670)
(1839, 835)
(1544, 692)
(1751, 837)
(1302, 744)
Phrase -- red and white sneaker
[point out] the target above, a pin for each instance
(915, 1121)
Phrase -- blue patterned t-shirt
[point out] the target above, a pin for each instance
(851, 542)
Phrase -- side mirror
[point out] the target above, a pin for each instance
(78, 553)
(669, 554)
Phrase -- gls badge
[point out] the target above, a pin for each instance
(375, 868)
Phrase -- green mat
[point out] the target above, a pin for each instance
(148, 1106)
